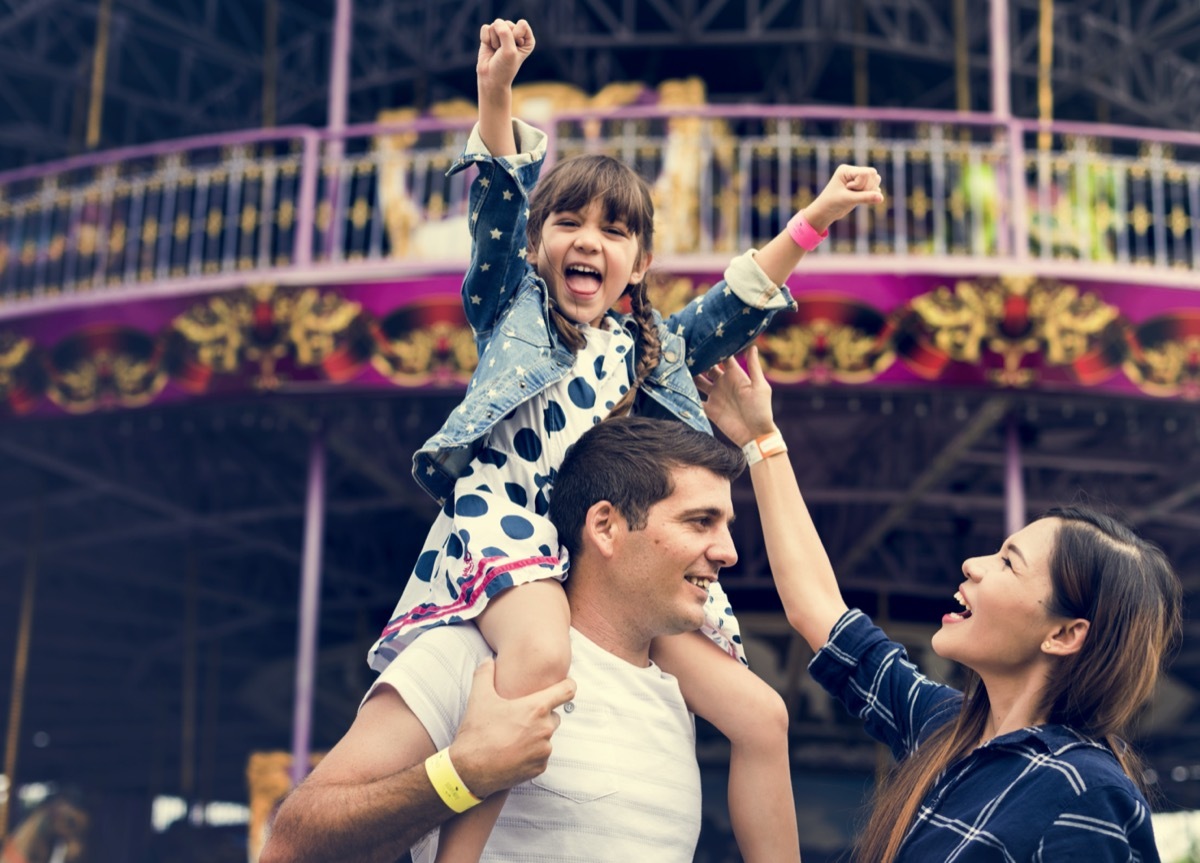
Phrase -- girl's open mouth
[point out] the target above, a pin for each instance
(582, 280)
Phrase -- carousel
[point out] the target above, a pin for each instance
(219, 352)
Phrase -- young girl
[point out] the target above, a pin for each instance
(1065, 629)
(554, 358)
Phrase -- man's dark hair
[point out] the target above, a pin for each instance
(628, 461)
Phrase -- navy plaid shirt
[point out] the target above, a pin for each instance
(1045, 793)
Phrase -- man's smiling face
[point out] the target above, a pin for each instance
(664, 568)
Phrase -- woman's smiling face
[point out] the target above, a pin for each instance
(1006, 598)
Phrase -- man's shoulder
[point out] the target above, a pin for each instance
(465, 634)
(442, 652)
(453, 640)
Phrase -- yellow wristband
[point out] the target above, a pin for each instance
(764, 446)
(448, 784)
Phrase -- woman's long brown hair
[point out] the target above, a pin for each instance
(1100, 571)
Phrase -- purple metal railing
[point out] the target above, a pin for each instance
(300, 203)
(1114, 195)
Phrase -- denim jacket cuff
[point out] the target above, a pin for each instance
(531, 147)
(751, 285)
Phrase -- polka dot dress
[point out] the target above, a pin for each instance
(494, 533)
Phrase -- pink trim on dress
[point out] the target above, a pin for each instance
(481, 572)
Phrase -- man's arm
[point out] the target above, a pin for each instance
(739, 404)
(370, 799)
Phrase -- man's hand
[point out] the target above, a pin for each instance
(737, 403)
(850, 186)
(503, 47)
(503, 742)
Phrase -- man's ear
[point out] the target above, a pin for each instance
(641, 268)
(602, 528)
(1067, 639)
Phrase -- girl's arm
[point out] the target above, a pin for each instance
(508, 156)
(739, 404)
(737, 309)
(850, 186)
(503, 47)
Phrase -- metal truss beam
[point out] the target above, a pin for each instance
(1141, 57)
(20, 11)
(180, 68)
(174, 69)
(166, 509)
(985, 419)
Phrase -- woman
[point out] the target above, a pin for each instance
(1064, 630)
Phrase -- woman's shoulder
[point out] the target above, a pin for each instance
(1092, 761)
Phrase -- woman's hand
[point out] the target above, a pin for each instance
(738, 402)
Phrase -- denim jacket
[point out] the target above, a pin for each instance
(520, 355)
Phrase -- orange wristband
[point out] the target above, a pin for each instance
(764, 446)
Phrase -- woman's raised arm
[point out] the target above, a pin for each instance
(739, 404)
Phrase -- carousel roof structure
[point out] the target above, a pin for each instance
(177, 68)
(151, 544)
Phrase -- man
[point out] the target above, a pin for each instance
(644, 508)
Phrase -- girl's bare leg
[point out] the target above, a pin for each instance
(527, 628)
(754, 718)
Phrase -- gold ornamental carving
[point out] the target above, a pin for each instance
(828, 338)
(426, 342)
(1164, 355)
(1029, 324)
(105, 366)
(262, 327)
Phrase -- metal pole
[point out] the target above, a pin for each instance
(1045, 69)
(1001, 60)
(1014, 480)
(306, 208)
(339, 87)
(962, 60)
(187, 743)
(1016, 235)
(20, 667)
(99, 64)
(310, 597)
(861, 82)
(270, 61)
(339, 71)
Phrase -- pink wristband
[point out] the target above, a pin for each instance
(804, 234)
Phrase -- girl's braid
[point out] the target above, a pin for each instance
(648, 348)
(568, 332)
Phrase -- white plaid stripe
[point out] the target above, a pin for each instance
(1034, 794)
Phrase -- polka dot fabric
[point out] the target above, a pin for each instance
(494, 534)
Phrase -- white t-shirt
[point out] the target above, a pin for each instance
(622, 783)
